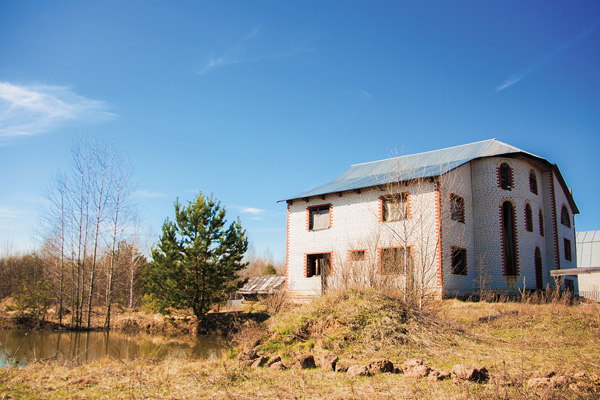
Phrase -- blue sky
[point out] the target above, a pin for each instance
(256, 101)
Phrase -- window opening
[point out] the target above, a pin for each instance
(357, 255)
(395, 260)
(319, 217)
(459, 261)
(395, 207)
(457, 208)
(539, 272)
(533, 182)
(568, 254)
(505, 177)
(508, 237)
(541, 222)
(528, 218)
(565, 217)
(318, 264)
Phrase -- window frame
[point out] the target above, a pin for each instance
(311, 210)
(403, 267)
(455, 268)
(510, 249)
(541, 222)
(390, 199)
(568, 249)
(457, 208)
(311, 271)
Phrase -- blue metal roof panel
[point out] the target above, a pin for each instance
(414, 166)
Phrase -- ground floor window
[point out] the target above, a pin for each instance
(318, 264)
(357, 255)
(459, 261)
(395, 260)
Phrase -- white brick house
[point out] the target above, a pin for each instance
(481, 215)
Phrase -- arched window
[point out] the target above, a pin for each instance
(565, 217)
(528, 218)
(509, 239)
(541, 222)
(505, 176)
(533, 182)
(539, 272)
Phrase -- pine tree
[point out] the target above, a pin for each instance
(196, 261)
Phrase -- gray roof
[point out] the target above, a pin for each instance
(588, 249)
(263, 284)
(414, 166)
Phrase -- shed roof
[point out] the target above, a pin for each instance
(421, 165)
(263, 284)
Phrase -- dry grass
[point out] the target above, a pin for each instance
(358, 327)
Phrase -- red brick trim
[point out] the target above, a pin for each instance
(408, 204)
(319, 206)
(287, 249)
(438, 227)
(516, 239)
(541, 222)
(554, 222)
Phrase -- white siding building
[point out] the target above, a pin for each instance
(482, 215)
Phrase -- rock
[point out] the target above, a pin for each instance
(560, 381)
(409, 364)
(339, 367)
(247, 355)
(260, 361)
(436, 375)
(278, 366)
(306, 362)
(468, 373)
(358, 370)
(329, 362)
(246, 363)
(419, 371)
(273, 361)
(380, 366)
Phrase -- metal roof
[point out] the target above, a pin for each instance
(414, 166)
(588, 249)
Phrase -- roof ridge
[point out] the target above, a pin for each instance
(431, 151)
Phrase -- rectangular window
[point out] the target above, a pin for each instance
(394, 260)
(568, 255)
(318, 264)
(394, 207)
(318, 217)
(357, 255)
(459, 261)
(457, 208)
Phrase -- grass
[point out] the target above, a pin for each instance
(358, 327)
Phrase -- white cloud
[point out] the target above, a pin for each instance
(32, 110)
(252, 210)
(10, 213)
(514, 78)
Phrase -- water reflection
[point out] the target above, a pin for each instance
(22, 347)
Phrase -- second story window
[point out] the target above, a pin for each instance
(565, 217)
(394, 207)
(318, 217)
(533, 182)
(457, 208)
(528, 218)
(505, 176)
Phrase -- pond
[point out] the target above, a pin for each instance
(19, 348)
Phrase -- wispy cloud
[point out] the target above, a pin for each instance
(10, 213)
(252, 210)
(32, 110)
(147, 194)
(514, 78)
(239, 53)
(360, 93)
